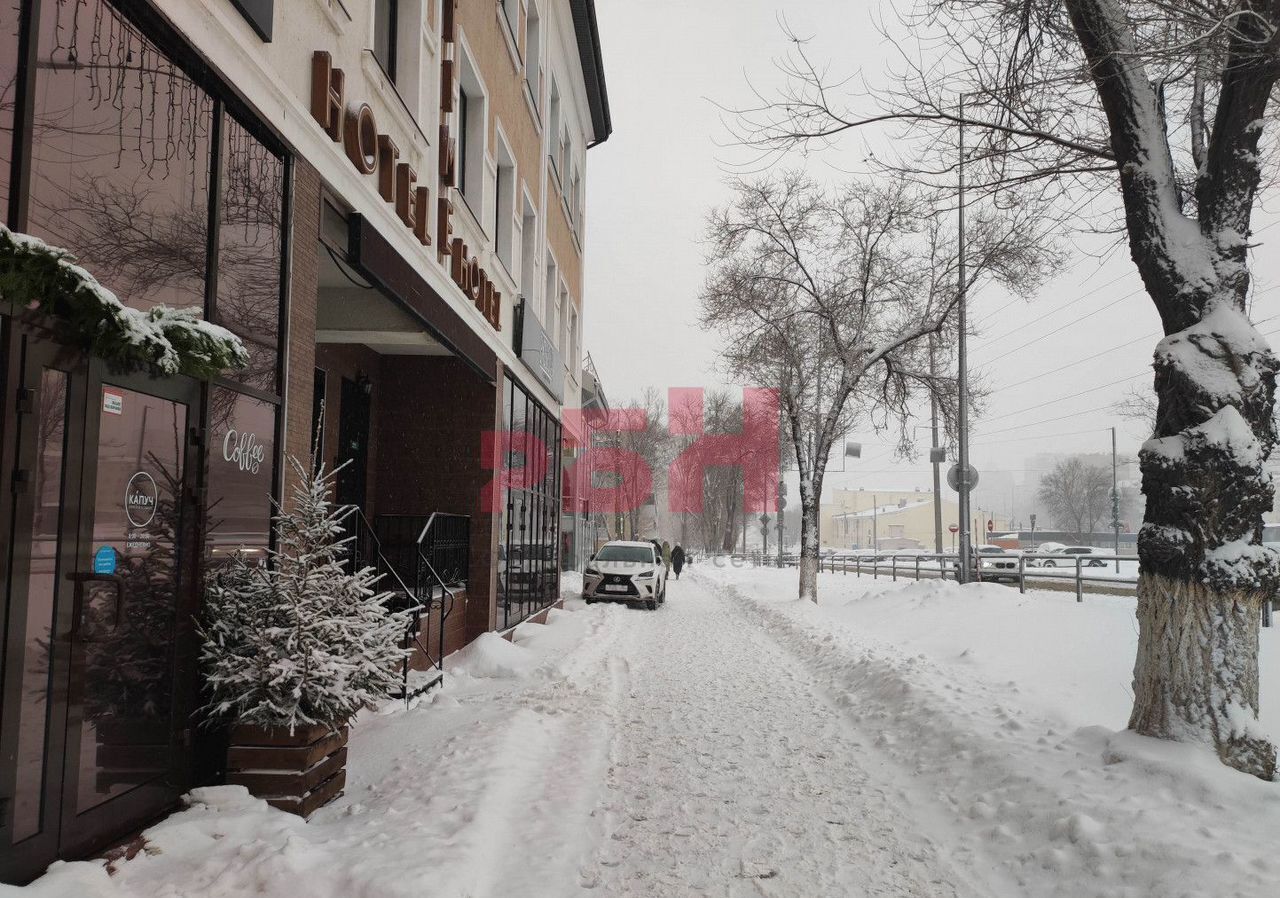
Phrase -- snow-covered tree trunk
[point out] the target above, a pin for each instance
(810, 537)
(1205, 572)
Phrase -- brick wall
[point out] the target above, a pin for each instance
(429, 459)
(427, 420)
(301, 351)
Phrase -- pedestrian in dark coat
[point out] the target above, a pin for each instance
(677, 559)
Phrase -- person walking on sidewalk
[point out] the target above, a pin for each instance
(677, 559)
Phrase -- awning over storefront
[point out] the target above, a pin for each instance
(377, 260)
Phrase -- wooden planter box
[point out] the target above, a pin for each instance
(296, 772)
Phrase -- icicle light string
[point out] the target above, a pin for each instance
(120, 61)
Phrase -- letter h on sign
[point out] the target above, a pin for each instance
(327, 94)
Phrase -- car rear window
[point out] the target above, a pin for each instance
(634, 554)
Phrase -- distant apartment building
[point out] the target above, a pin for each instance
(896, 519)
(853, 518)
(385, 200)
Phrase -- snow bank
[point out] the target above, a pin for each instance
(449, 798)
(1003, 716)
(571, 585)
(492, 656)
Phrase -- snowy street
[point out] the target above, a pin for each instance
(889, 741)
(734, 774)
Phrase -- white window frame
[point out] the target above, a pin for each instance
(551, 295)
(474, 144)
(553, 126)
(506, 177)
(506, 9)
(533, 72)
(564, 308)
(529, 250)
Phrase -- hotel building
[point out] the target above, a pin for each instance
(384, 199)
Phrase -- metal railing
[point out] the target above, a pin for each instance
(1078, 573)
(397, 543)
(441, 541)
(445, 540)
(1051, 571)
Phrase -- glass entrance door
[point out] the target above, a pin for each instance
(96, 696)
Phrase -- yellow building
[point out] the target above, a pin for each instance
(893, 519)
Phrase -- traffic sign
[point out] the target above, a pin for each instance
(954, 528)
(953, 477)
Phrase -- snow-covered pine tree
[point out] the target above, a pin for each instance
(303, 641)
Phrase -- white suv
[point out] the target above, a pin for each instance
(630, 572)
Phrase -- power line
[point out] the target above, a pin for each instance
(1065, 398)
(1096, 355)
(1044, 436)
(1066, 305)
(1074, 321)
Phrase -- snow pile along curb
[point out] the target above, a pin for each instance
(455, 797)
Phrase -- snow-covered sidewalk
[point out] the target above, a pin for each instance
(1001, 718)
(917, 739)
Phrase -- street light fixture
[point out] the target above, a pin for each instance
(962, 404)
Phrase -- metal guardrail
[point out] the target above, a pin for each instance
(1050, 571)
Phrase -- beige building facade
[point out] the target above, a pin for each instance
(895, 519)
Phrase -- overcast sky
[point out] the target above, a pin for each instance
(651, 184)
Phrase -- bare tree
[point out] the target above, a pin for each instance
(829, 293)
(640, 466)
(1077, 495)
(1168, 102)
(721, 483)
(1139, 406)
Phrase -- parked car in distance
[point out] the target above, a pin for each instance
(1049, 548)
(996, 563)
(1096, 557)
(630, 572)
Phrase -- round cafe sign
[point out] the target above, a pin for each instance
(140, 499)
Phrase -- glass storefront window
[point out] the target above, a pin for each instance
(242, 444)
(120, 156)
(41, 592)
(10, 20)
(250, 227)
(529, 538)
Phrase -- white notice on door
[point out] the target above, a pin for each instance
(112, 401)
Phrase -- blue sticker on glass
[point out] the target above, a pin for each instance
(104, 560)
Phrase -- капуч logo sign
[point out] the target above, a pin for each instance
(140, 499)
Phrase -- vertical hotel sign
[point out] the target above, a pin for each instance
(464, 268)
(375, 153)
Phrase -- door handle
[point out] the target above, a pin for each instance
(77, 605)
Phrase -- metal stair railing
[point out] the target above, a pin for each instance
(366, 551)
(444, 540)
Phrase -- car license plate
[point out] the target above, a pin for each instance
(613, 587)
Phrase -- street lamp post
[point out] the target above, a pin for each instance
(935, 455)
(875, 523)
(782, 504)
(962, 384)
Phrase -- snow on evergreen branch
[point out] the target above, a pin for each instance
(161, 341)
(302, 641)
